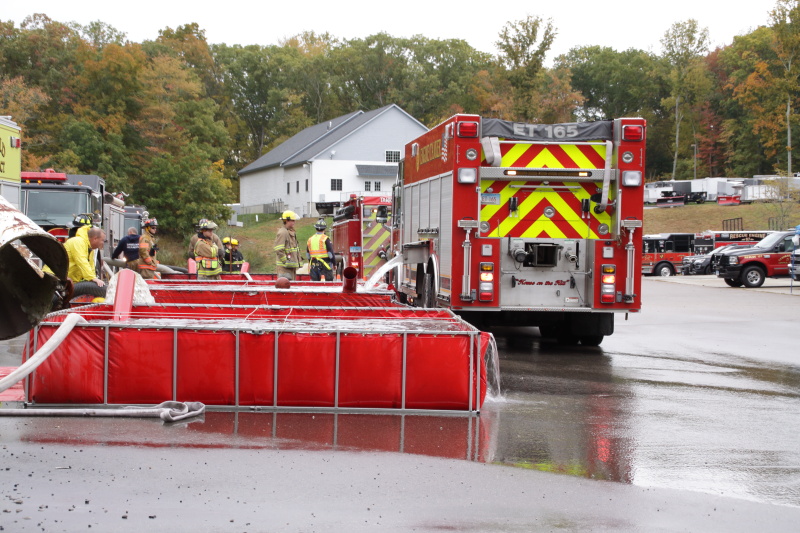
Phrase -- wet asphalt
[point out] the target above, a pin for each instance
(686, 419)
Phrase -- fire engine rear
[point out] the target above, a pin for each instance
(522, 224)
(361, 235)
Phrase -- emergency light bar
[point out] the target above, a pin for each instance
(550, 173)
(47, 175)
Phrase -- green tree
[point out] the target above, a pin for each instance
(522, 52)
(684, 45)
(258, 83)
(786, 27)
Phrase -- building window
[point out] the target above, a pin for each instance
(298, 186)
(392, 156)
(306, 184)
(336, 184)
(377, 186)
(367, 185)
(288, 188)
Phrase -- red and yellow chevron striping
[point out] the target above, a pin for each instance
(564, 198)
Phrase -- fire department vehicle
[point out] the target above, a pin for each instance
(750, 266)
(522, 224)
(53, 199)
(663, 253)
(361, 235)
(708, 240)
(10, 161)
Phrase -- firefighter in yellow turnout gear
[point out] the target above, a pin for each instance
(287, 251)
(207, 255)
(320, 250)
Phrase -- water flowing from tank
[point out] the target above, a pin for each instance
(378, 275)
(493, 390)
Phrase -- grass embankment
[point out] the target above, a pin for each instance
(694, 218)
(256, 238)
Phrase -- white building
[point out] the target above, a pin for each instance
(316, 169)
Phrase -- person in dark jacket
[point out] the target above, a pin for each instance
(129, 245)
(232, 258)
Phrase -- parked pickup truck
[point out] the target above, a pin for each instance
(701, 264)
(750, 266)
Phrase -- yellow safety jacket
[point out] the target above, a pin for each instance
(317, 248)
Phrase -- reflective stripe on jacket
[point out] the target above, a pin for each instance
(205, 253)
(318, 249)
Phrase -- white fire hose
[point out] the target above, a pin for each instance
(167, 411)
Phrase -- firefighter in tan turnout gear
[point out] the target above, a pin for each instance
(287, 251)
(206, 254)
(147, 263)
(320, 251)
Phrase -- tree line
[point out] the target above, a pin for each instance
(172, 120)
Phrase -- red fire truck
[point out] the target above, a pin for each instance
(522, 224)
(361, 236)
(52, 199)
(663, 253)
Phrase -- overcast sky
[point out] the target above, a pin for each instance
(620, 24)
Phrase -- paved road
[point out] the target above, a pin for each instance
(685, 420)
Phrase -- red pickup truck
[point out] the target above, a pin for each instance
(750, 266)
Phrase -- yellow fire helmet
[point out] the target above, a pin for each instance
(234, 242)
(289, 215)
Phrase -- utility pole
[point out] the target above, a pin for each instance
(695, 160)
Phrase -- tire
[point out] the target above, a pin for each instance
(707, 270)
(753, 277)
(567, 339)
(90, 288)
(427, 298)
(592, 340)
(547, 331)
(701, 200)
(664, 270)
(730, 282)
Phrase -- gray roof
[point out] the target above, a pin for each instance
(377, 170)
(313, 140)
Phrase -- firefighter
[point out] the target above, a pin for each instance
(129, 245)
(204, 222)
(232, 258)
(147, 263)
(206, 254)
(82, 260)
(320, 251)
(287, 251)
(82, 220)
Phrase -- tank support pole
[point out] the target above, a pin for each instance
(405, 353)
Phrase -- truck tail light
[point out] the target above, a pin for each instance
(608, 284)
(486, 285)
(632, 133)
(467, 129)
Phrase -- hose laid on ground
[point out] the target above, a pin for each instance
(166, 411)
(43, 353)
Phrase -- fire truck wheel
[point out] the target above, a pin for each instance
(567, 339)
(591, 340)
(427, 298)
(547, 331)
(730, 282)
(753, 277)
(665, 270)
